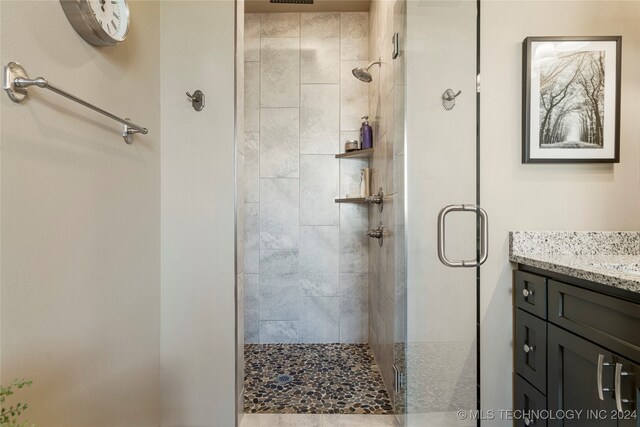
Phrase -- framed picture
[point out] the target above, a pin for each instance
(571, 99)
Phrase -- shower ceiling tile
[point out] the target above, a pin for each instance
(319, 119)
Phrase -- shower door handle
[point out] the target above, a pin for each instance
(484, 235)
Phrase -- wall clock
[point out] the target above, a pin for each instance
(99, 22)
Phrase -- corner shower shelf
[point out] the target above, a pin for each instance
(352, 200)
(364, 153)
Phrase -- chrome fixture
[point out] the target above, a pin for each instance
(449, 99)
(197, 100)
(395, 40)
(484, 239)
(618, 387)
(377, 199)
(527, 293)
(528, 348)
(15, 83)
(600, 365)
(398, 379)
(377, 233)
(363, 74)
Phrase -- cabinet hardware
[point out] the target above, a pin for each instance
(618, 386)
(528, 421)
(527, 293)
(528, 349)
(601, 363)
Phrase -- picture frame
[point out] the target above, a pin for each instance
(571, 99)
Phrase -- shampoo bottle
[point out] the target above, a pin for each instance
(366, 135)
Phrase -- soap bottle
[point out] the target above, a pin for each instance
(366, 134)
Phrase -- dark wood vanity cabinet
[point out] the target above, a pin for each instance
(576, 353)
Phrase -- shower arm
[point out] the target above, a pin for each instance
(379, 62)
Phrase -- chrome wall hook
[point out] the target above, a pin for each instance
(197, 100)
(449, 99)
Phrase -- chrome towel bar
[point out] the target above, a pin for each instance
(15, 83)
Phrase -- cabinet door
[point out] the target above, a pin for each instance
(573, 380)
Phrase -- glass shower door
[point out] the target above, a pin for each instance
(444, 228)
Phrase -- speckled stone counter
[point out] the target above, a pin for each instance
(608, 258)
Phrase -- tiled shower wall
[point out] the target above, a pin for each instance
(387, 296)
(306, 264)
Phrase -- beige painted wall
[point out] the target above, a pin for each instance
(80, 224)
(198, 167)
(544, 197)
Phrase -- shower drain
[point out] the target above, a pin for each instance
(283, 379)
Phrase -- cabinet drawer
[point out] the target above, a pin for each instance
(530, 293)
(611, 322)
(528, 399)
(531, 349)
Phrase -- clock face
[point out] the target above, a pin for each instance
(113, 17)
(99, 22)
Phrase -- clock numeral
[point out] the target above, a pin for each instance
(115, 27)
(116, 15)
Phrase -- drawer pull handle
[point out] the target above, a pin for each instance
(618, 386)
(528, 349)
(527, 293)
(528, 421)
(600, 365)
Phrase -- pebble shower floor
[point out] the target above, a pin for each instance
(313, 379)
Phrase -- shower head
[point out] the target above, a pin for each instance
(363, 74)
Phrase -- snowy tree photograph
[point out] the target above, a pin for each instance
(571, 99)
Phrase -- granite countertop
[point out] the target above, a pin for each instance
(608, 258)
